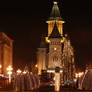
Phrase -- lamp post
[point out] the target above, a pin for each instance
(9, 69)
(9, 73)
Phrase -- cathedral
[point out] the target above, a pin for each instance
(59, 52)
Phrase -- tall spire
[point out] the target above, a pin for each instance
(55, 13)
(55, 16)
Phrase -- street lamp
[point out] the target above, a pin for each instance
(19, 71)
(36, 65)
(9, 69)
(78, 75)
(24, 72)
(75, 80)
(0, 68)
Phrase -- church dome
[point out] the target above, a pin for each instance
(42, 44)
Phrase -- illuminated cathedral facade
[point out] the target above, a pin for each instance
(59, 52)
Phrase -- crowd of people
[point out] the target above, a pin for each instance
(28, 81)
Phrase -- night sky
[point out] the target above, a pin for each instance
(25, 22)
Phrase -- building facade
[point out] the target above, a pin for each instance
(60, 52)
(6, 52)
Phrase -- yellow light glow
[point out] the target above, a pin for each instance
(53, 71)
(62, 41)
(36, 65)
(51, 21)
(24, 72)
(75, 80)
(78, 75)
(0, 66)
(9, 68)
(55, 48)
(19, 71)
(47, 40)
(61, 71)
(55, 2)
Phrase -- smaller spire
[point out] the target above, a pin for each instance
(42, 43)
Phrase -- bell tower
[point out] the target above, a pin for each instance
(58, 52)
(55, 49)
(55, 38)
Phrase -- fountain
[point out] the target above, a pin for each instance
(26, 82)
(86, 81)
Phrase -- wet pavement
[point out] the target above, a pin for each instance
(44, 89)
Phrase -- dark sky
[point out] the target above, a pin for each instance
(25, 21)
